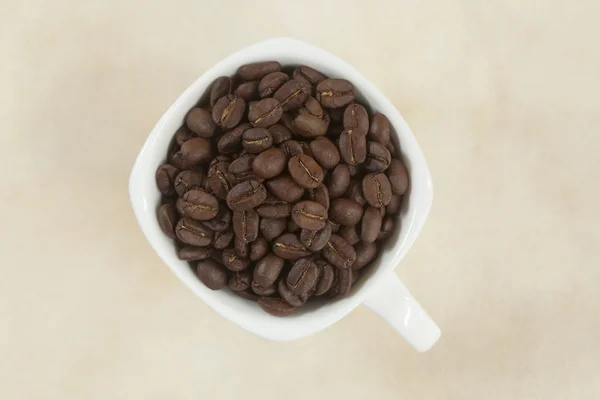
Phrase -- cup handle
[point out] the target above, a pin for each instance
(392, 302)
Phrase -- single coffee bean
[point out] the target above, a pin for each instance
(342, 283)
(378, 157)
(200, 122)
(245, 225)
(246, 195)
(228, 111)
(285, 188)
(191, 253)
(376, 189)
(183, 134)
(167, 219)
(247, 294)
(339, 252)
(292, 227)
(221, 221)
(280, 133)
(345, 211)
(398, 176)
(247, 90)
(365, 253)
(309, 75)
(395, 204)
(200, 205)
(213, 275)
(276, 306)
(387, 227)
(194, 151)
(353, 147)
(269, 163)
(350, 234)
(309, 215)
(292, 94)
(218, 179)
(320, 194)
(339, 181)
(240, 169)
(310, 126)
(271, 82)
(241, 248)
(289, 247)
(315, 240)
(267, 270)
(371, 225)
(272, 228)
(303, 276)
(379, 129)
(257, 140)
(165, 179)
(262, 290)
(305, 171)
(354, 193)
(240, 280)
(221, 87)
(233, 262)
(272, 207)
(231, 141)
(188, 180)
(223, 239)
(257, 71)
(258, 248)
(356, 119)
(192, 232)
(291, 148)
(290, 297)
(335, 93)
(266, 113)
(325, 152)
(325, 277)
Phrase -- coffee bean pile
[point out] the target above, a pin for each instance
(280, 186)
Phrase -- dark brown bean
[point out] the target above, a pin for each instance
(191, 253)
(350, 234)
(232, 261)
(354, 193)
(309, 215)
(342, 283)
(289, 247)
(221, 221)
(305, 171)
(309, 126)
(339, 181)
(308, 75)
(339, 252)
(231, 141)
(379, 129)
(269, 163)
(262, 290)
(194, 151)
(398, 176)
(335, 93)
(371, 225)
(376, 189)
(200, 205)
(245, 225)
(267, 270)
(285, 188)
(167, 219)
(218, 179)
(290, 297)
(271, 82)
(353, 148)
(165, 179)
(254, 71)
(199, 120)
(240, 280)
(183, 134)
(291, 148)
(223, 239)
(228, 111)
(280, 133)
(356, 119)
(272, 228)
(345, 211)
(325, 277)
(247, 90)
(240, 169)
(387, 227)
(221, 87)
(275, 306)
(188, 180)
(365, 253)
(320, 194)
(247, 294)
(292, 94)
(265, 113)
(378, 157)
(192, 232)
(246, 195)
(325, 152)
(303, 276)
(257, 140)
(395, 204)
(213, 275)
(242, 248)
(334, 226)
(315, 240)
(258, 248)
(272, 207)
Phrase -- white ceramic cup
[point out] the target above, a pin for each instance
(380, 289)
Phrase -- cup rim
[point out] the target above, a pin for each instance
(144, 194)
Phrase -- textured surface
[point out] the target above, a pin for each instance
(504, 102)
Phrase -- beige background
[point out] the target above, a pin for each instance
(504, 100)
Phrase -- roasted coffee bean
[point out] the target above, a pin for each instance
(379, 129)
(223, 239)
(247, 294)
(200, 205)
(272, 207)
(308, 75)
(242, 248)
(356, 119)
(218, 179)
(305, 171)
(339, 252)
(265, 113)
(325, 277)
(378, 157)
(262, 290)
(354, 193)
(303, 276)
(276, 306)
(342, 283)
(292, 148)
(191, 253)
(267, 270)
(231, 141)
(194, 151)
(371, 224)
(200, 122)
(292, 94)
(188, 180)
(257, 140)
(334, 226)
(192, 232)
(306, 149)
(339, 181)
(353, 147)
(269, 163)
(167, 219)
(315, 240)
(213, 275)
(387, 227)
(240, 280)
(280, 133)
(310, 126)
(247, 90)
(350, 234)
(221, 221)
(365, 253)
(271, 82)
(228, 111)
(289, 247)
(258, 249)
(395, 204)
(335, 93)
(345, 211)
(392, 149)
(246, 195)
(245, 225)
(398, 176)
(240, 169)
(256, 71)
(272, 228)
(179, 203)
(292, 227)
(232, 261)
(183, 134)
(309, 215)
(221, 87)
(290, 297)
(320, 194)
(325, 152)
(165, 179)
(376, 189)
(285, 188)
